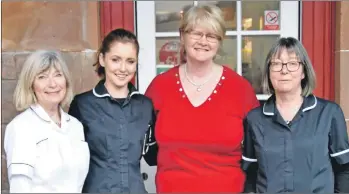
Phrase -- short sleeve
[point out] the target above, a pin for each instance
(248, 155)
(20, 184)
(338, 143)
(20, 148)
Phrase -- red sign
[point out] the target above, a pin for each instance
(170, 53)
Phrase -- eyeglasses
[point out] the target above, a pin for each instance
(291, 66)
(196, 35)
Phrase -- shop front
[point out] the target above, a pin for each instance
(76, 29)
(252, 28)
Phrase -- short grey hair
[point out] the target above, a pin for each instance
(292, 45)
(36, 63)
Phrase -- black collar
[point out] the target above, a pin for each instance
(309, 103)
(100, 91)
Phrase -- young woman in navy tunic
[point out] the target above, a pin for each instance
(116, 118)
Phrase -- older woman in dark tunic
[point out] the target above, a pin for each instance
(295, 142)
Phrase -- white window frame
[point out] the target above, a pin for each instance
(146, 32)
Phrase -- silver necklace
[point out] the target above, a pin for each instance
(198, 86)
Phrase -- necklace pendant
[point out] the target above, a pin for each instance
(198, 89)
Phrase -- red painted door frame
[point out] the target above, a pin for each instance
(117, 14)
(318, 37)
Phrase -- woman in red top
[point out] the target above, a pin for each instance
(200, 108)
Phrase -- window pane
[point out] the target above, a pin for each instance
(227, 54)
(167, 53)
(229, 11)
(254, 51)
(168, 14)
(254, 14)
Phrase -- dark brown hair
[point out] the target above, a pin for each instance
(117, 35)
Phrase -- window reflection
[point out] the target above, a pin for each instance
(254, 51)
(227, 53)
(169, 14)
(229, 11)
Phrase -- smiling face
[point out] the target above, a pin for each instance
(50, 87)
(285, 81)
(120, 63)
(200, 44)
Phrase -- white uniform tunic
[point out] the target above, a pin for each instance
(44, 158)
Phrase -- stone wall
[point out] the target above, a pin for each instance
(342, 57)
(70, 27)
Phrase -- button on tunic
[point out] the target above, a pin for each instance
(296, 157)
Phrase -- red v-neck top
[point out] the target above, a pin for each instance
(200, 147)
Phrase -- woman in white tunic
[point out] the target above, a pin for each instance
(45, 147)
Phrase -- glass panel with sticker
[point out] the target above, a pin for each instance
(260, 15)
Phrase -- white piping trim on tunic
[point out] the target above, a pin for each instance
(305, 109)
(108, 95)
(249, 159)
(134, 93)
(339, 153)
(98, 95)
(147, 145)
(311, 107)
(145, 149)
(267, 113)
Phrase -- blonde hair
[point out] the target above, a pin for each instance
(204, 15)
(291, 45)
(35, 64)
